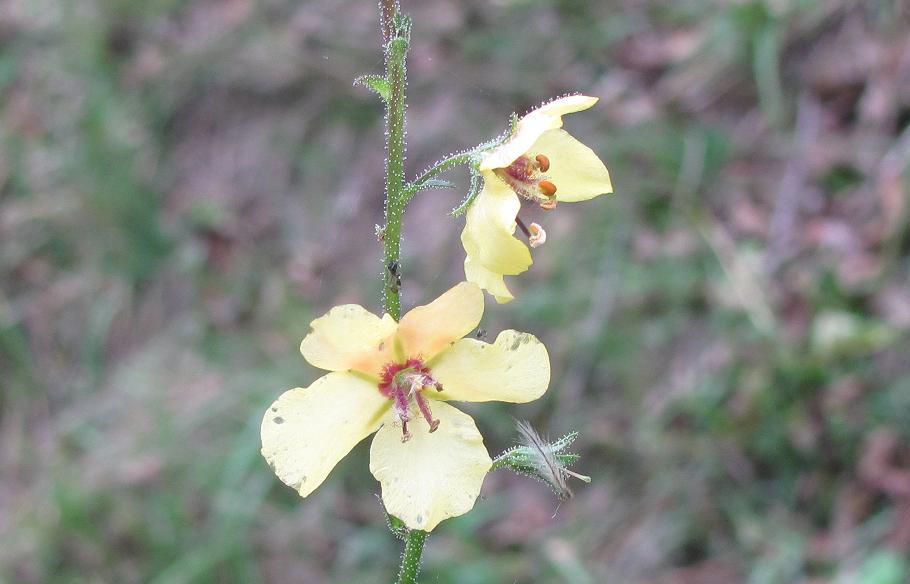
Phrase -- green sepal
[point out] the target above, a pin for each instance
(522, 459)
(396, 525)
(473, 191)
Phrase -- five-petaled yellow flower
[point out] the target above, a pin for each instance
(542, 163)
(396, 378)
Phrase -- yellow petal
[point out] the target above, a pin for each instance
(515, 368)
(431, 476)
(575, 169)
(490, 223)
(490, 281)
(531, 126)
(475, 272)
(307, 431)
(350, 337)
(426, 330)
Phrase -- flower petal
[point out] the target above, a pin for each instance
(490, 223)
(490, 281)
(307, 431)
(475, 272)
(532, 125)
(431, 476)
(515, 368)
(426, 330)
(575, 169)
(350, 337)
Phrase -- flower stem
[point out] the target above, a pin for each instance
(396, 51)
(396, 36)
(410, 559)
(443, 165)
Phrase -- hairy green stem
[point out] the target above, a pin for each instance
(410, 559)
(396, 196)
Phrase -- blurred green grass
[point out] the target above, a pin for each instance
(185, 185)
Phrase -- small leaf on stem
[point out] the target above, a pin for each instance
(377, 83)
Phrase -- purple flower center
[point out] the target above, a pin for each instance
(403, 382)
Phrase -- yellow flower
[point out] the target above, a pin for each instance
(542, 163)
(396, 378)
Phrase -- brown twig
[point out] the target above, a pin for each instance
(388, 10)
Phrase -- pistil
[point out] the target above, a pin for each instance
(534, 232)
(403, 409)
(522, 226)
(538, 236)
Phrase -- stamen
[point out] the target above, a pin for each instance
(401, 405)
(543, 163)
(548, 205)
(538, 236)
(547, 187)
(402, 409)
(425, 410)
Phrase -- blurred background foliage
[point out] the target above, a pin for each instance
(184, 185)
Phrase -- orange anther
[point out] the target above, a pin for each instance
(543, 163)
(547, 188)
